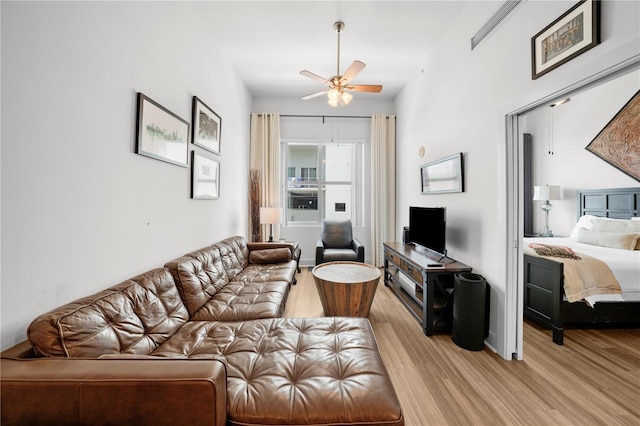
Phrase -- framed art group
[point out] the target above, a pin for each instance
(163, 135)
(205, 177)
(206, 127)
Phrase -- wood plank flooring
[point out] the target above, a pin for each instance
(594, 379)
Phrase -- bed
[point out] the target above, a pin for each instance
(545, 301)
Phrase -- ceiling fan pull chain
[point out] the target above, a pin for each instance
(338, 26)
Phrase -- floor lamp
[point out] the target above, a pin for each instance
(546, 193)
(269, 216)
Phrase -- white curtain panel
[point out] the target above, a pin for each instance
(264, 156)
(383, 159)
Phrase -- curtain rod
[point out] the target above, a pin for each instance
(324, 116)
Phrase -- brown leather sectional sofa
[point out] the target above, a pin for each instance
(199, 341)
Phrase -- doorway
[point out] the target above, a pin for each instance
(515, 200)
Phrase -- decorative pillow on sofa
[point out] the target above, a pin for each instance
(274, 255)
(619, 240)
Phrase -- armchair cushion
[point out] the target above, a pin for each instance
(336, 234)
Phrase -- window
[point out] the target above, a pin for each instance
(333, 193)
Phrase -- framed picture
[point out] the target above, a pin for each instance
(207, 126)
(161, 134)
(572, 34)
(619, 142)
(443, 175)
(205, 177)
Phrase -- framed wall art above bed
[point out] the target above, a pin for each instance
(619, 142)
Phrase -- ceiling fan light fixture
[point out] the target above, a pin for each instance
(340, 85)
(346, 97)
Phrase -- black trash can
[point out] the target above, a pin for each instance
(470, 311)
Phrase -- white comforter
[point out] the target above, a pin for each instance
(625, 265)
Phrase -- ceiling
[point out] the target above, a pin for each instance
(269, 42)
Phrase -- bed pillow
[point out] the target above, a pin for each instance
(615, 225)
(625, 226)
(585, 222)
(618, 240)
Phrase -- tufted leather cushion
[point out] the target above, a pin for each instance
(312, 371)
(239, 301)
(234, 254)
(336, 233)
(133, 317)
(284, 271)
(199, 275)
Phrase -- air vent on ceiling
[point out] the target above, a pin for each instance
(493, 22)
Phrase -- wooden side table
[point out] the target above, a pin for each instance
(346, 288)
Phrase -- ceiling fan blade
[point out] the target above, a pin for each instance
(352, 71)
(315, 95)
(371, 88)
(316, 77)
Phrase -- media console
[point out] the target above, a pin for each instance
(426, 290)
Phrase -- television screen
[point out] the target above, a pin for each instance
(427, 226)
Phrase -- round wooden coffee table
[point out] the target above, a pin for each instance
(346, 288)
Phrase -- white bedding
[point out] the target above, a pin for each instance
(625, 265)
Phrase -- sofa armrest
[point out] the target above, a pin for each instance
(319, 251)
(358, 247)
(112, 391)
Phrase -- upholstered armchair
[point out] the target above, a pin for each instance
(336, 242)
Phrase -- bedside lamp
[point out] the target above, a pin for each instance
(270, 215)
(546, 193)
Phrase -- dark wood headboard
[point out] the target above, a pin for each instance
(617, 203)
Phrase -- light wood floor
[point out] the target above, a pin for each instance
(594, 379)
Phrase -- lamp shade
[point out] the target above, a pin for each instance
(269, 215)
(546, 192)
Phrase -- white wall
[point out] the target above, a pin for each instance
(314, 128)
(574, 125)
(459, 103)
(80, 210)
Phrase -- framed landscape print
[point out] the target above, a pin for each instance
(161, 134)
(572, 34)
(207, 126)
(443, 175)
(205, 177)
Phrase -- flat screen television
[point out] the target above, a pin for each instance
(427, 228)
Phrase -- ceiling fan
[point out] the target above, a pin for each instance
(339, 85)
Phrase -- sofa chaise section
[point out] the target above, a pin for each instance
(295, 371)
